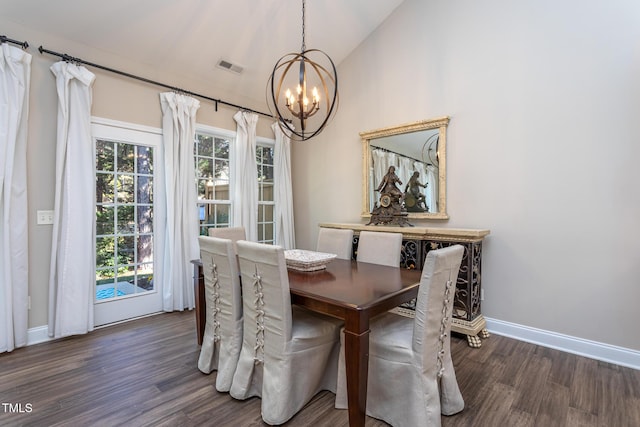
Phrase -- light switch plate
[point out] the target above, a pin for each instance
(45, 217)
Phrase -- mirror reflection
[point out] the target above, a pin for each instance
(417, 153)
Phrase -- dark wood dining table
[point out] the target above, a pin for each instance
(353, 291)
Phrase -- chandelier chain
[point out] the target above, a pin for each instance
(304, 46)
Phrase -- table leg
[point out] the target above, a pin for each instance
(200, 309)
(357, 367)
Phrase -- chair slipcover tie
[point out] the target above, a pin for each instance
(216, 301)
(259, 303)
(443, 327)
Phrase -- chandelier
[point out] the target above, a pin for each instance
(304, 108)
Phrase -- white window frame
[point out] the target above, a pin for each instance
(140, 304)
(261, 203)
(231, 135)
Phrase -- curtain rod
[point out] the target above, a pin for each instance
(5, 39)
(69, 58)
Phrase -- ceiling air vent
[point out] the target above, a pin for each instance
(226, 65)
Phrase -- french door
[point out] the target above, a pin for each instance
(124, 285)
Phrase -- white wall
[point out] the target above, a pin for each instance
(542, 149)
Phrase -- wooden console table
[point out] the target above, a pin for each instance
(416, 242)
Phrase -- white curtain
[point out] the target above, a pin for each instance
(404, 170)
(283, 198)
(177, 229)
(245, 175)
(72, 269)
(15, 72)
(382, 160)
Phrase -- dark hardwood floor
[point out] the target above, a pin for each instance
(143, 373)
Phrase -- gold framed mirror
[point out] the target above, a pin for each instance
(418, 152)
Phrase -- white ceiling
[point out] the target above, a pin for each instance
(189, 37)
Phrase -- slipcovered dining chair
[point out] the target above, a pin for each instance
(288, 354)
(232, 233)
(411, 379)
(335, 241)
(378, 247)
(222, 339)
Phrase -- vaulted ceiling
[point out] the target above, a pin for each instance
(190, 37)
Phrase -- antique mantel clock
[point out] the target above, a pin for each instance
(390, 210)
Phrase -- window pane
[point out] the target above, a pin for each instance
(203, 212)
(145, 189)
(104, 219)
(105, 252)
(268, 213)
(202, 188)
(104, 156)
(266, 192)
(125, 282)
(267, 173)
(222, 148)
(104, 188)
(204, 168)
(124, 187)
(268, 233)
(145, 160)
(126, 221)
(105, 276)
(144, 277)
(125, 158)
(221, 190)
(145, 249)
(205, 145)
(209, 189)
(204, 229)
(222, 214)
(145, 219)
(213, 215)
(266, 155)
(206, 212)
(126, 248)
(265, 232)
(222, 169)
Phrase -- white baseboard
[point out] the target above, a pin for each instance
(591, 349)
(38, 335)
